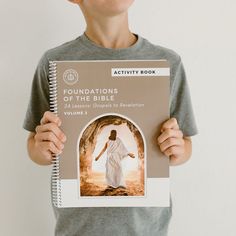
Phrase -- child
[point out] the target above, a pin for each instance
(107, 36)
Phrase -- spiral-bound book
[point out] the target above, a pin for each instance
(111, 112)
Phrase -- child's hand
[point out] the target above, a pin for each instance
(49, 138)
(131, 155)
(171, 140)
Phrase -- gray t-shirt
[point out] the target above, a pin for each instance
(115, 221)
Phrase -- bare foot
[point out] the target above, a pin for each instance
(122, 187)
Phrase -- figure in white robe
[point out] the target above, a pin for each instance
(116, 152)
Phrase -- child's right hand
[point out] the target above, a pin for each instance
(49, 139)
(131, 155)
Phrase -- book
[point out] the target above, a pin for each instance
(111, 113)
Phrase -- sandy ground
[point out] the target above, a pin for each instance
(96, 186)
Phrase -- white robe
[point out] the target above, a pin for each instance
(116, 151)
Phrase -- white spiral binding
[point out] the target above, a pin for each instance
(56, 183)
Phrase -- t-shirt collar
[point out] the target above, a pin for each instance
(92, 45)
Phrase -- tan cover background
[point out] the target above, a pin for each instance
(152, 92)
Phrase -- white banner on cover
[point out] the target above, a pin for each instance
(158, 195)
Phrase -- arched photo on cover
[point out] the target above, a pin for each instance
(111, 158)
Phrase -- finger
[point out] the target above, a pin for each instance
(53, 128)
(175, 151)
(48, 155)
(49, 136)
(169, 133)
(171, 142)
(50, 146)
(50, 117)
(170, 124)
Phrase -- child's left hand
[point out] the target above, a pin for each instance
(171, 140)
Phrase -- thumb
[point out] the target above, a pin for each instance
(171, 123)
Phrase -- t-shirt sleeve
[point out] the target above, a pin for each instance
(180, 102)
(39, 97)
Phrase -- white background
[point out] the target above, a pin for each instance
(202, 32)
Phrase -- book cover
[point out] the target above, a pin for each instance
(111, 114)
